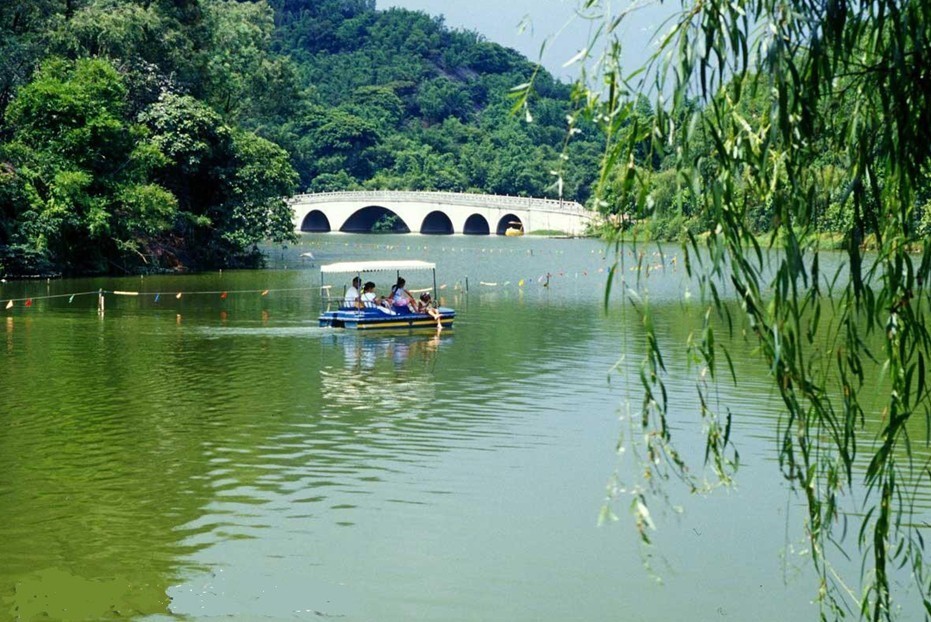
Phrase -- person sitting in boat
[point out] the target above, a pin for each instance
(401, 299)
(372, 300)
(351, 299)
(369, 297)
(428, 306)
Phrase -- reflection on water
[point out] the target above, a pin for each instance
(362, 352)
(387, 374)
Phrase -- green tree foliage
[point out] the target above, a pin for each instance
(230, 184)
(246, 83)
(24, 31)
(786, 115)
(97, 173)
(80, 170)
(91, 190)
(169, 40)
(441, 99)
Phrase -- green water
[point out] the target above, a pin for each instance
(209, 458)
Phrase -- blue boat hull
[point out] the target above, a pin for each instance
(372, 319)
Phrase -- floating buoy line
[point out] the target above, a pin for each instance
(223, 294)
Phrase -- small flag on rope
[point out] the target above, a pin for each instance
(9, 305)
(265, 292)
(178, 295)
(29, 302)
(223, 296)
(71, 299)
(156, 297)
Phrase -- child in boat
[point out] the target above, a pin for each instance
(426, 305)
(401, 299)
(371, 299)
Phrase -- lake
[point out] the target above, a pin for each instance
(216, 455)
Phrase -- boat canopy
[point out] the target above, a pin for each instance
(377, 266)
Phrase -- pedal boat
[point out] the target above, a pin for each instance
(377, 317)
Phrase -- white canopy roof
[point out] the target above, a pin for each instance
(378, 266)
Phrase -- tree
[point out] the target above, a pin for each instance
(851, 79)
(78, 189)
(230, 184)
(255, 210)
(23, 28)
(441, 98)
(245, 81)
(167, 38)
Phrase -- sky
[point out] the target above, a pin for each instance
(553, 21)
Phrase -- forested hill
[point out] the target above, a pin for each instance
(398, 100)
(152, 134)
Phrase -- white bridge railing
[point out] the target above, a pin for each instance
(449, 198)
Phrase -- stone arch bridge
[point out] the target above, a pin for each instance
(434, 213)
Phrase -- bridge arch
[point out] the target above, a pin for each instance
(316, 221)
(506, 221)
(432, 212)
(476, 224)
(437, 223)
(366, 219)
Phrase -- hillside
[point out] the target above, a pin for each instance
(394, 99)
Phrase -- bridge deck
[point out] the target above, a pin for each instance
(450, 198)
